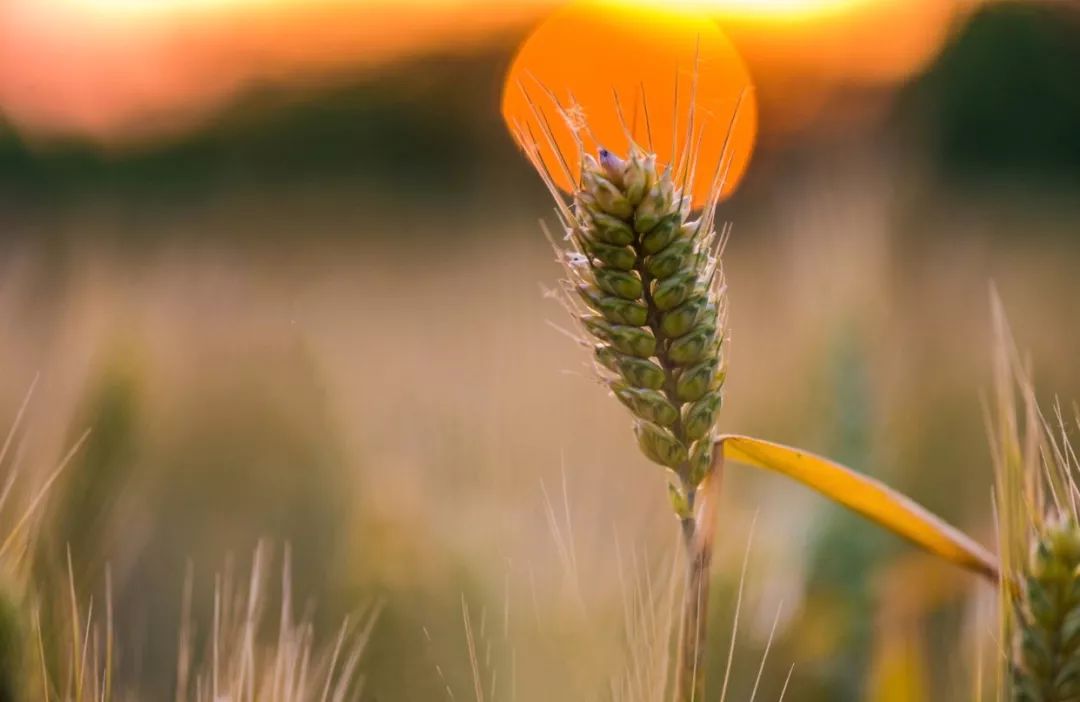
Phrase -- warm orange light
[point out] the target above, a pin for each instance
(159, 5)
(813, 66)
(122, 71)
(651, 59)
(787, 9)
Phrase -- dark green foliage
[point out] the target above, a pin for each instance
(1003, 100)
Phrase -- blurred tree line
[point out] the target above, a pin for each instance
(1002, 102)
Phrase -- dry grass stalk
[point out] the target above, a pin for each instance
(242, 666)
(244, 660)
(17, 530)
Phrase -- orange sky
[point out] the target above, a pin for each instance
(113, 68)
(122, 69)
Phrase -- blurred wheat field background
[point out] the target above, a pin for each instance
(320, 319)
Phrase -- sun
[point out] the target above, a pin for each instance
(668, 78)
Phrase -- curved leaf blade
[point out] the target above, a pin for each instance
(866, 496)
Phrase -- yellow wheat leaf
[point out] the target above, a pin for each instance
(867, 496)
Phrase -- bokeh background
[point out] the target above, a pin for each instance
(283, 259)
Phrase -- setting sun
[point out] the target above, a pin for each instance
(672, 72)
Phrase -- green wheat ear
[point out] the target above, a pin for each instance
(652, 294)
(1038, 509)
(1046, 662)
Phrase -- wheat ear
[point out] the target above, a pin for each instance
(650, 282)
(645, 285)
(1046, 657)
(1037, 507)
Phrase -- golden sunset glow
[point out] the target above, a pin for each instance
(802, 61)
(677, 79)
(122, 69)
(170, 5)
(795, 7)
(788, 10)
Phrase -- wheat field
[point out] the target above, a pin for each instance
(355, 384)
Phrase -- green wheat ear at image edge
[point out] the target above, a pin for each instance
(1045, 664)
(648, 289)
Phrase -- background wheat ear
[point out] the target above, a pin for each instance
(1039, 535)
(1046, 656)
